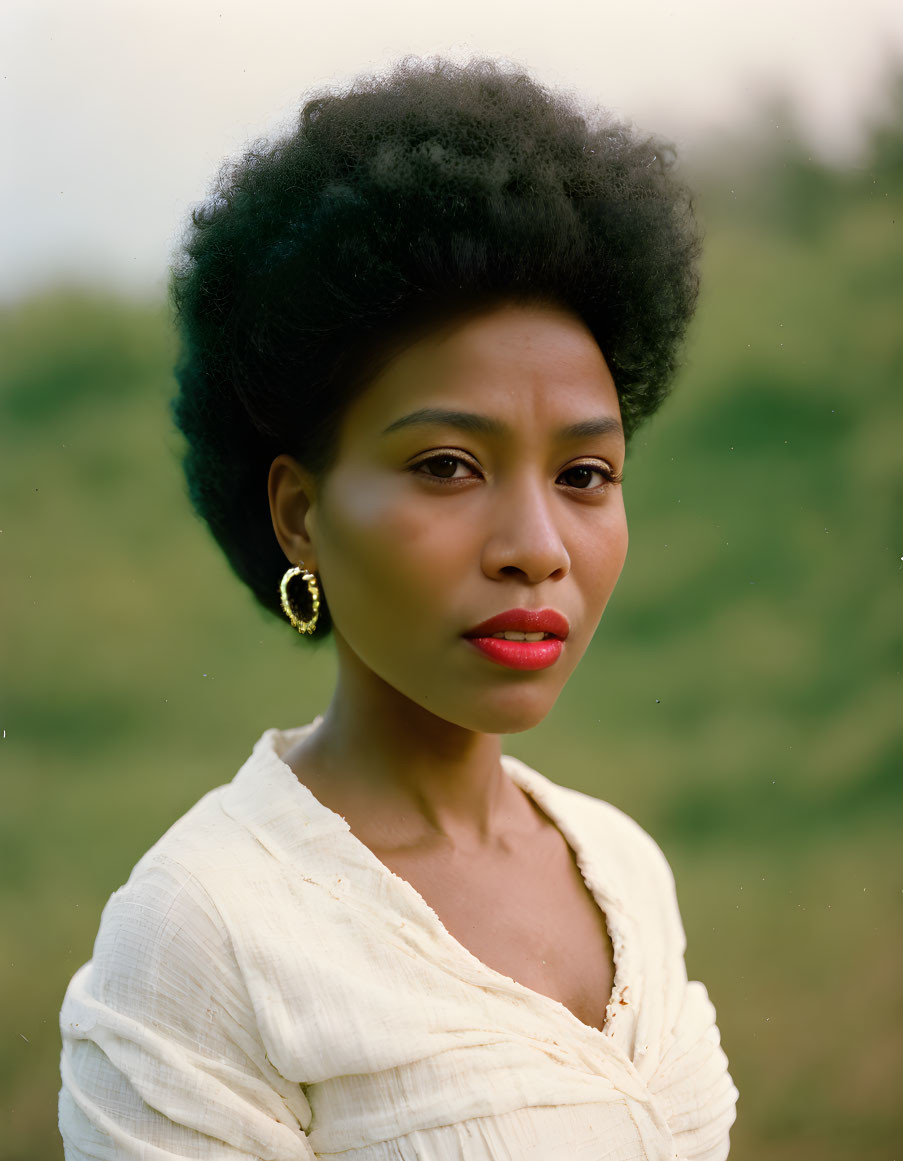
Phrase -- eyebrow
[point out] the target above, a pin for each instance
(476, 424)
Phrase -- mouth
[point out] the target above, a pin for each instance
(521, 638)
(521, 624)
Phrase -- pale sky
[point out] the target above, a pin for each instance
(116, 114)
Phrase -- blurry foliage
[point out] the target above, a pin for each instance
(742, 697)
(886, 137)
(65, 351)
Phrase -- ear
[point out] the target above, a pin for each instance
(292, 494)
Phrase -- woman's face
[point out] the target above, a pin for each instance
(477, 475)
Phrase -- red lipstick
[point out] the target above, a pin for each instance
(521, 654)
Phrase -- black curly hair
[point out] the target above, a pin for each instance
(409, 198)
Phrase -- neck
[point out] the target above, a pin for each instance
(389, 755)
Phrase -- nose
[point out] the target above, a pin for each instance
(525, 540)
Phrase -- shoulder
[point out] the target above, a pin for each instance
(166, 915)
(183, 868)
(226, 874)
(176, 894)
(228, 844)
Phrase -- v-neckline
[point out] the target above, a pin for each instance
(536, 787)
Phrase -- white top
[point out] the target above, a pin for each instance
(264, 987)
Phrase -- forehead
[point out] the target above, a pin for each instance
(520, 363)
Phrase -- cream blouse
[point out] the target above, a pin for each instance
(264, 987)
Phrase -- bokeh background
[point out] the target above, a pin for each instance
(743, 696)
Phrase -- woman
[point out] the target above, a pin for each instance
(417, 334)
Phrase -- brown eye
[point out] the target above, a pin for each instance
(442, 466)
(445, 467)
(581, 476)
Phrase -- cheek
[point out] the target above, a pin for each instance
(620, 543)
(380, 547)
(602, 557)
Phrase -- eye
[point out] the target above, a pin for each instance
(445, 467)
(451, 467)
(589, 477)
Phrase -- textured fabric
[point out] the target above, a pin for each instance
(264, 987)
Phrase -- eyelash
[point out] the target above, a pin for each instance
(609, 474)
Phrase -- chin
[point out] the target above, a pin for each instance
(511, 714)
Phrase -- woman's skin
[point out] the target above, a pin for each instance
(424, 527)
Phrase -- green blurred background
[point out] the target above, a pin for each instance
(742, 698)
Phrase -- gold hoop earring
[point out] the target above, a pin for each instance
(313, 588)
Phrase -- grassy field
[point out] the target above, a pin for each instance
(742, 698)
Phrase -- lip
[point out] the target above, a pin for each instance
(519, 654)
(523, 621)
